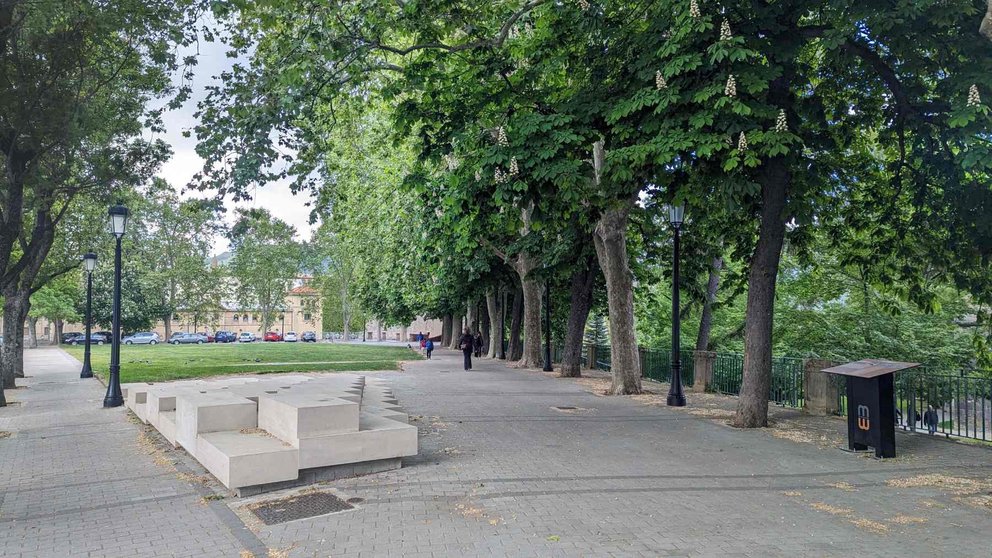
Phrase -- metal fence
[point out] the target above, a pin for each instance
(786, 387)
(961, 400)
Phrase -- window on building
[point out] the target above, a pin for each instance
(306, 316)
(235, 318)
(244, 318)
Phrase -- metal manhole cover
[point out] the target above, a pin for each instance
(299, 507)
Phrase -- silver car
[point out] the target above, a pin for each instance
(142, 338)
(186, 338)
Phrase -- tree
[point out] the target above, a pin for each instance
(76, 77)
(266, 262)
(179, 234)
(56, 302)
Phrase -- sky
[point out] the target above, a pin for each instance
(276, 197)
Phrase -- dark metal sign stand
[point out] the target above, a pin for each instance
(871, 404)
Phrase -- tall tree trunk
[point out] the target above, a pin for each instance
(580, 291)
(471, 318)
(404, 334)
(446, 330)
(752, 406)
(495, 322)
(986, 27)
(532, 291)
(485, 321)
(706, 316)
(378, 330)
(516, 321)
(611, 250)
(15, 310)
(32, 332)
(167, 324)
(457, 329)
(59, 327)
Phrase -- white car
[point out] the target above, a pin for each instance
(246, 337)
(290, 337)
(142, 338)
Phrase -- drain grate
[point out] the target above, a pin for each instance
(299, 507)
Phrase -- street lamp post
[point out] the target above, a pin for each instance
(547, 327)
(89, 262)
(676, 398)
(502, 329)
(118, 224)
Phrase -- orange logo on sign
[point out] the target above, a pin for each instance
(863, 417)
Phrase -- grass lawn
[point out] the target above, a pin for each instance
(158, 363)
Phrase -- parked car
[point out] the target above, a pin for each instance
(187, 338)
(69, 336)
(246, 337)
(309, 337)
(208, 337)
(107, 336)
(225, 337)
(142, 338)
(290, 337)
(95, 339)
(272, 336)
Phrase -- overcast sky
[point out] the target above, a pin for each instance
(275, 197)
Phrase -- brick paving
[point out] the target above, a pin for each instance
(79, 480)
(501, 472)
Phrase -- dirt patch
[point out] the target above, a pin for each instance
(832, 510)
(595, 386)
(872, 526)
(908, 520)
(960, 486)
(982, 501)
(470, 511)
(792, 493)
(5, 434)
(194, 479)
(573, 410)
(932, 504)
(712, 413)
(845, 486)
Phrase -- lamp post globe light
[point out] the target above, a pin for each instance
(676, 398)
(118, 225)
(89, 263)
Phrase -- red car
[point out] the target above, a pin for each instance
(272, 336)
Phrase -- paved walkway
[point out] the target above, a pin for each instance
(501, 472)
(80, 480)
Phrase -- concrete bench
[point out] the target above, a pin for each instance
(246, 459)
(200, 413)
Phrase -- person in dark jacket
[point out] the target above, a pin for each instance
(429, 348)
(930, 419)
(477, 343)
(466, 343)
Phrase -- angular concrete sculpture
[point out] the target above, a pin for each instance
(259, 433)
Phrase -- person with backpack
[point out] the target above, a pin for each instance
(429, 348)
(467, 343)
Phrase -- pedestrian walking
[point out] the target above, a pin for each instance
(930, 419)
(467, 343)
(477, 344)
(429, 348)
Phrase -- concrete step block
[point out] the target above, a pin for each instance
(240, 458)
(377, 438)
(292, 416)
(199, 413)
(166, 425)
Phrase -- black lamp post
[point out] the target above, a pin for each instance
(118, 224)
(89, 262)
(502, 329)
(547, 327)
(675, 396)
